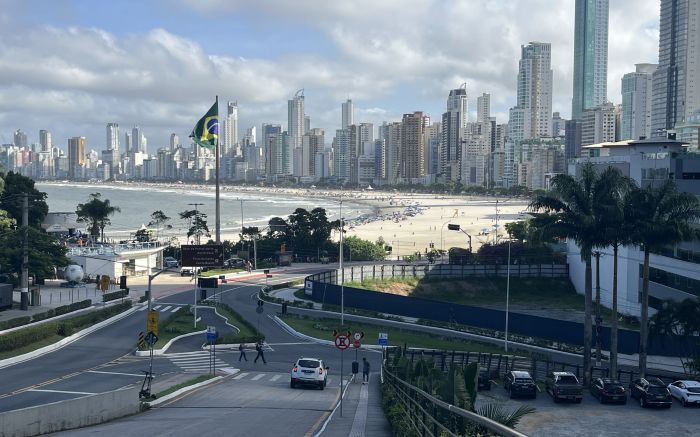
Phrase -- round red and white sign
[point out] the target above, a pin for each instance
(342, 342)
(356, 344)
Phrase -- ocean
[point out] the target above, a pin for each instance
(137, 202)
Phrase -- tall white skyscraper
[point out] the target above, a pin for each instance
(295, 119)
(457, 101)
(231, 126)
(590, 56)
(174, 141)
(128, 146)
(348, 111)
(636, 103)
(532, 117)
(483, 108)
(454, 124)
(112, 136)
(676, 82)
(138, 141)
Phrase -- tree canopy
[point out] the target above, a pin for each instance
(96, 213)
(15, 186)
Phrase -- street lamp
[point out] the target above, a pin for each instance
(505, 345)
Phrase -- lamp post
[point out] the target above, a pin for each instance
(505, 345)
(340, 267)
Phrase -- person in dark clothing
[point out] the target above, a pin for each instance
(261, 352)
(365, 370)
(241, 348)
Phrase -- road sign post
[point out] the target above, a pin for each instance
(342, 342)
(212, 335)
(152, 323)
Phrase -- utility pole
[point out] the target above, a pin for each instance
(24, 286)
(342, 272)
(598, 318)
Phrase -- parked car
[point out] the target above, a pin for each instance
(564, 386)
(309, 371)
(608, 390)
(688, 392)
(169, 261)
(484, 382)
(186, 271)
(650, 392)
(519, 383)
(234, 262)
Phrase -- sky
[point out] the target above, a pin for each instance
(72, 66)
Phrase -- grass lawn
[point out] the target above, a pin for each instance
(31, 347)
(193, 381)
(181, 322)
(323, 329)
(525, 293)
(246, 331)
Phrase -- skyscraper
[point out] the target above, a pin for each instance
(483, 108)
(636, 103)
(127, 143)
(137, 140)
(174, 141)
(76, 155)
(454, 122)
(295, 119)
(412, 164)
(230, 128)
(45, 140)
(20, 138)
(676, 82)
(590, 56)
(532, 116)
(112, 136)
(348, 114)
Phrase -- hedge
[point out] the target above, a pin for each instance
(64, 309)
(115, 295)
(64, 328)
(13, 323)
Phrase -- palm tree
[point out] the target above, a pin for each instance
(570, 211)
(658, 217)
(96, 212)
(613, 188)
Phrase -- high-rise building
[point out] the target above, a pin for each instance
(598, 125)
(295, 119)
(137, 140)
(127, 143)
(412, 164)
(558, 125)
(174, 141)
(366, 139)
(112, 136)
(307, 124)
(483, 108)
(342, 154)
(636, 103)
(348, 114)
(590, 56)
(676, 81)
(76, 155)
(312, 144)
(230, 127)
(454, 123)
(45, 140)
(20, 139)
(532, 116)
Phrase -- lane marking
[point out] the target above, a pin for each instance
(256, 377)
(62, 391)
(275, 378)
(174, 309)
(142, 308)
(156, 307)
(165, 309)
(241, 376)
(116, 373)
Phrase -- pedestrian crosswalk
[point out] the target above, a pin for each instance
(165, 308)
(195, 362)
(268, 377)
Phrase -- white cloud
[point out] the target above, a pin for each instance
(391, 57)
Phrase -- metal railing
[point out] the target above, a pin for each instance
(112, 249)
(430, 416)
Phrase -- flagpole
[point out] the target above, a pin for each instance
(218, 208)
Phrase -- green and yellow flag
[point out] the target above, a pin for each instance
(206, 132)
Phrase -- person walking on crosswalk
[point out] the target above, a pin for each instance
(241, 349)
(261, 352)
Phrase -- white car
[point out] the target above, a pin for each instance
(309, 371)
(688, 392)
(186, 271)
(169, 261)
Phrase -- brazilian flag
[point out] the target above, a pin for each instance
(206, 132)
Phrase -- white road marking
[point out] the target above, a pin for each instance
(241, 376)
(165, 309)
(174, 309)
(158, 306)
(142, 308)
(256, 377)
(275, 378)
(62, 391)
(116, 373)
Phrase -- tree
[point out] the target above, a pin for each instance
(614, 189)
(680, 320)
(658, 217)
(358, 249)
(569, 211)
(96, 213)
(45, 252)
(197, 224)
(17, 185)
(158, 219)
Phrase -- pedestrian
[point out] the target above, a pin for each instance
(261, 352)
(365, 370)
(241, 349)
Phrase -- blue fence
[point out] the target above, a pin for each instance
(324, 290)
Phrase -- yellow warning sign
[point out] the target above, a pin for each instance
(104, 283)
(152, 324)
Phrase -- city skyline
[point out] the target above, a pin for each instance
(71, 72)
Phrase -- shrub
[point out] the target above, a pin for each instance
(115, 295)
(13, 323)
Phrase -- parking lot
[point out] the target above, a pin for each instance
(590, 418)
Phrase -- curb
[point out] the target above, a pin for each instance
(183, 390)
(66, 341)
(162, 350)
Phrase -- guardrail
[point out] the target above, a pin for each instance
(431, 416)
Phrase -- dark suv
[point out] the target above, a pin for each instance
(484, 381)
(519, 383)
(608, 390)
(651, 391)
(564, 385)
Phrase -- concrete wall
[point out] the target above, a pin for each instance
(70, 414)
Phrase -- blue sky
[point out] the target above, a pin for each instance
(73, 66)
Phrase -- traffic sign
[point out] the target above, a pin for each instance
(383, 339)
(212, 334)
(359, 335)
(259, 310)
(152, 325)
(342, 342)
(356, 344)
(202, 255)
(151, 338)
(142, 340)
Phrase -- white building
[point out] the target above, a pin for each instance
(598, 125)
(636, 103)
(230, 137)
(295, 119)
(532, 115)
(348, 114)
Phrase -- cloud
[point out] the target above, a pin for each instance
(391, 57)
